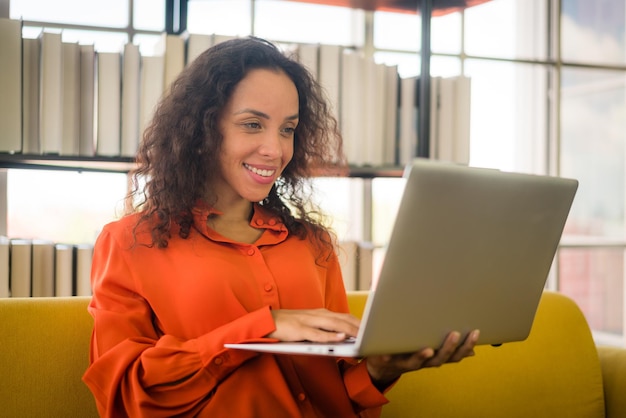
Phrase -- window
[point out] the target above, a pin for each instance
(537, 107)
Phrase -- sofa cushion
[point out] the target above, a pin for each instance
(43, 355)
(554, 373)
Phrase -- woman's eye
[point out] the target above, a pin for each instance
(289, 130)
(252, 125)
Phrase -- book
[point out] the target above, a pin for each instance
(347, 253)
(172, 47)
(152, 73)
(407, 142)
(365, 264)
(70, 139)
(330, 58)
(63, 269)
(83, 254)
(435, 112)
(109, 81)
(450, 126)
(86, 146)
(4, 266)
(352, 108)
(308, 55)
(391, 115)
(11, 85)
(42, 273)
(196, 44)
(51, 93)
(374, 111)
(462, 103)
(30, 96)
(20, 275)
(130, 100)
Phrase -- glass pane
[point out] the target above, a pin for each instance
(445, 34)
(397, 31)
(408, 63)
(509, 112)
(341, 199)
(444, 66)
(111, 13)
(102, 41)
(63, 206)
(593, 134)
(222, 17)
(301, 22)
(386, 195)
(501, 29)
(593, 31)
(148, 44)
(149, 14)
(594, 278)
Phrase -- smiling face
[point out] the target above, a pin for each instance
(257, 125)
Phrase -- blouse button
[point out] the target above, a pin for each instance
(301, 397)
(268, 287)
(251, 251)
(259, 221)
(218, 361)
(272, 222)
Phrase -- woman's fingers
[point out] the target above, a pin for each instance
(319, 325)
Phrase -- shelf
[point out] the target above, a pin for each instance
(439, 7)
(125, 164)
(71, 163)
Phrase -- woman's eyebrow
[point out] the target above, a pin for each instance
(264, 115)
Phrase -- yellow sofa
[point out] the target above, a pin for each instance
(556, 372)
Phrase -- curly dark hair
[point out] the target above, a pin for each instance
(180, 150)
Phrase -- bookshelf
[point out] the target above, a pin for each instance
(176, 12)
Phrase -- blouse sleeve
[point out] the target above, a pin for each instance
(135, 370)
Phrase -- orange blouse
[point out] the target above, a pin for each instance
(162, 316)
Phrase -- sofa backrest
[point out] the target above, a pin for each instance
(44, 346)
(554, 373)
(44, 351)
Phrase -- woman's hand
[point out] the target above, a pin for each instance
(319, 325)
(384, 369)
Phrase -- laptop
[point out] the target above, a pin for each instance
(471, 248)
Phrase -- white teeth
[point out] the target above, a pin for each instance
(262, 173)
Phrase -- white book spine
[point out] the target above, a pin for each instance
(130, 101)
(352, 106)
(51, 93)
(330, 75)
(462, 120)
(347, 254)
(4, 266)
(10, 85)
(71, 99)
(391, 115)
(196, 44)
(20, 253)
(109, 78)
(152, 73)
(435, 114)
(173, 48)
(408, 120)
(42, 268)
(63, 270)
(83, 257)
(87, 100)
(308, 55)
(30, 96)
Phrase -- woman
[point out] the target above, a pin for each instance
(220, 248)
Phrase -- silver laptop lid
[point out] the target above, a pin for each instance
(470, 248)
